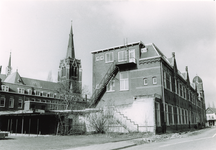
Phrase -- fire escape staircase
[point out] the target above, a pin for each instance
(98, 93)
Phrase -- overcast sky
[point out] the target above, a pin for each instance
(36, 32)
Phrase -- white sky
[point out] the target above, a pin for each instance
(36, 32)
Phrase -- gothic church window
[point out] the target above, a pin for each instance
(63, 71)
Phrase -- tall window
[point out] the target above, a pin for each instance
(63, 71)
(168, 81)
(111, 86)
(11, 103)
(109, 57)
(180, 110)
(122, 56)
(176, 89)
(2, 102)
(167, 114)
(124, 85)
(177, 109)
(20, 103)
(186, 116)
(181, 90)
(170, 114)
(157, 108)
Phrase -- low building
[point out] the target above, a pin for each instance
(211, 116)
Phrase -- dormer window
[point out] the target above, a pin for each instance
(51, 95)
(38, 93)
(44, 94)
(5, 88)
(29, 92)
(21, 90)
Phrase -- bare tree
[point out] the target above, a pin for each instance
(49, 77)
(213, 105)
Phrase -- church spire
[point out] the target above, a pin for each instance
(9, 68)
(70, 49)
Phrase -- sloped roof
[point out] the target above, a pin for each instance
(210, 110)
(40, 83)
(2, 76)
(117, 47)
(14, 78)
(70, 49)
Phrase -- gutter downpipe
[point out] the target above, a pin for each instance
(163, 98)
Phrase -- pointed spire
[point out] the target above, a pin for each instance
(9, 68)
(70, 49)
(9, 63)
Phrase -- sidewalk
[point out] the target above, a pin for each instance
(107, 146)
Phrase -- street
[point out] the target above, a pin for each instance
(205, 140)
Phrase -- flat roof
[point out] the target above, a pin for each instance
(116, 47)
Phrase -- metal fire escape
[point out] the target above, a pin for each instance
(128, 62)
(98, 93)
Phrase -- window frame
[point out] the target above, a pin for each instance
(158, 115)
(154, 80)
(11, 103)
(20, 101)
(124, 82)
(2, 99)
(145, 81)
(106, 57)
(111, 86)
(122, 53)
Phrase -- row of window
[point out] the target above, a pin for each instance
(11, 102)
(183, 116)
(122, 56)
(180, 89)
(154, 81)
(29, 91)
(124, 82)
(20, 102)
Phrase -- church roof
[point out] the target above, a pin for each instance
(70, 49)
(210, 110)
(14, 81)
(14, 78)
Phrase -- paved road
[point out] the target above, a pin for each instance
(206, 140)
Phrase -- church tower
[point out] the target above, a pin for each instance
(9, 68)
(70, 71)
